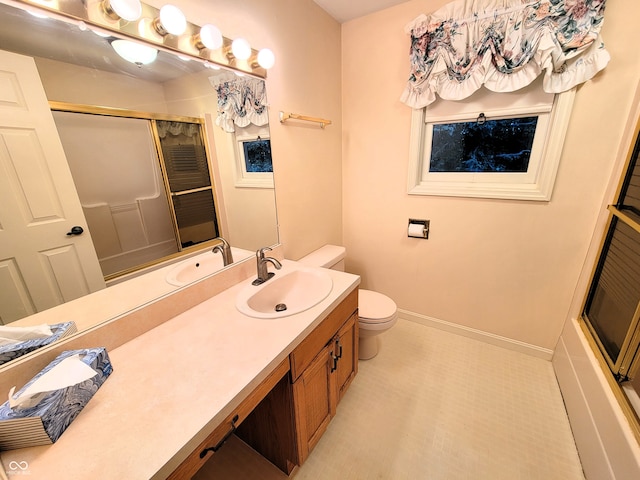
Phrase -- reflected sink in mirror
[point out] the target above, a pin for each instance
(202, 265)
(287, 293)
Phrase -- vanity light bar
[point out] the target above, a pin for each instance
(101, 14)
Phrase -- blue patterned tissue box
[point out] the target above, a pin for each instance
(43, 423)
(58, 330)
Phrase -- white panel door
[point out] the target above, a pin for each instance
(40, 265)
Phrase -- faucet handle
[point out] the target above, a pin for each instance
(260, 253)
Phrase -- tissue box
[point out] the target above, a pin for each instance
(59, 330)
(43, 423)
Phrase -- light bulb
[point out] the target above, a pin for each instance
(241, 49)
(210, 36)
(129, 10)
(266, 58)
(172, 20)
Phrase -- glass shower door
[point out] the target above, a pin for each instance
(612, 308)
(189, 181)
(612, 304)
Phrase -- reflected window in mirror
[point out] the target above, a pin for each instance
(243, 115)
(257, 156)
(254, 165)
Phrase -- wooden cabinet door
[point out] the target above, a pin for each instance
(346, 349)
(314, 398)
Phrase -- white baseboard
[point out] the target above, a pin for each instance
(504, 342)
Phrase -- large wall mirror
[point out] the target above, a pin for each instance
(133, 138)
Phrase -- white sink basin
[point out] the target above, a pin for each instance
(285, 294)
(201, 266)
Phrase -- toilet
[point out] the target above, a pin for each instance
(377, 313)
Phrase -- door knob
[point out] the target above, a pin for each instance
(76, 231)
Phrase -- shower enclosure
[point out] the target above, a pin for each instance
(612, 307)
(143, 182)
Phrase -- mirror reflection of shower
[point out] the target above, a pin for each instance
(144, 186)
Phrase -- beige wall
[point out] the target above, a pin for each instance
(508, 268)
(305, 80)
(65, 82)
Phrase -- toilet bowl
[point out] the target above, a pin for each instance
(377, 313)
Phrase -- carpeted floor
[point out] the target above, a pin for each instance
(437, 406)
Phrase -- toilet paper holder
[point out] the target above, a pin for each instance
(418, 228)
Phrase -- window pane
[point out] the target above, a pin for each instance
(615, 290)
(257, 156)
(493, 146)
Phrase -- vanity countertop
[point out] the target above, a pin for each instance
(171, 386)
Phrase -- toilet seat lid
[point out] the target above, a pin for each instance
(375, 307)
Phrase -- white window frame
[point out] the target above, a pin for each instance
(536, 184)
(246, 179)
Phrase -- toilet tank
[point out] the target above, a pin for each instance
(329, 256)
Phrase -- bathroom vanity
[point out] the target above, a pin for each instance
(179, 388)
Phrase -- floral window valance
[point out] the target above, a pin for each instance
(503, 45)
(241, 101)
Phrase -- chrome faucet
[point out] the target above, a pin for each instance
(261, 264)
(225, 249)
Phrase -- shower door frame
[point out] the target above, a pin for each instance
(152, 117)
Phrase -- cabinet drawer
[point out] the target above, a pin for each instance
(304, 354)
(194, 461)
